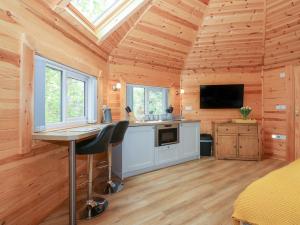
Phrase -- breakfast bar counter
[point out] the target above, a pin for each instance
(71, 135)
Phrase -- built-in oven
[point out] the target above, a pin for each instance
(166, 134)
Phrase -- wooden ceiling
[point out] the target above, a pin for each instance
(163, 35)
(231, 35)
(190, 34)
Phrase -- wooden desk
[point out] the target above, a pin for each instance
(71, 135)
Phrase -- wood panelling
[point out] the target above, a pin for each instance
(228, 50)
(112, 41)
(282, 46)
(154, 49)
(34, 175)
(281, 52)
(191, 81)
(163, 35)
(277, 92)
(297, 111)
(127, 72)
(231, 35)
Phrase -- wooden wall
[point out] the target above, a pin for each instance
(153, 51)
(228, 49)
(278, 85)
(281, 53)
(34, 175)
(282, 33)
(191, 81)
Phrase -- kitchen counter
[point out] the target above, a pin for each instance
(69, 134)
(141, 153)
(159, 122)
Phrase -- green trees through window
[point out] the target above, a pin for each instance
(75, 104)
(147, 100)
(75, 98)
(53, 95)
(93, 9)
(156, 102)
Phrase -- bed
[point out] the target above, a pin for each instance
(271, 200)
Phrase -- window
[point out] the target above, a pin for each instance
(93, 10)
(145, 100)
(63, 96)
(101, 17)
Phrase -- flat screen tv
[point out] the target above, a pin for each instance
(229, 96)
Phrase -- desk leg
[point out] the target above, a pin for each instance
(72, 183)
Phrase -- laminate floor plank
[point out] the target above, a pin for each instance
(201, 192)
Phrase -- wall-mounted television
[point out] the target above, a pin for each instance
(228, 96)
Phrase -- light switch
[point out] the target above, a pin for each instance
(282, 75)
(278, 137)
(188, 108)
(281, 107)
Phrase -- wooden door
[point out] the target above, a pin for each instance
(227, 146)
(248, 147)
(297, 111)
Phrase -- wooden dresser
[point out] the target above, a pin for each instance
(237, 141)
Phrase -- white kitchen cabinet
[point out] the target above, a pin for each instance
(166, 154)
(189, 140)
(138, 153)
(138, 148)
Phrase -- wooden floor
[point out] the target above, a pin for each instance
(200, 192)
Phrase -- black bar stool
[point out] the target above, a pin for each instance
(116, 139)
(99, 144)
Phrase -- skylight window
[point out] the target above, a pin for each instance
(93, 10)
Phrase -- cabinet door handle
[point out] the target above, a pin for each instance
(241, 146)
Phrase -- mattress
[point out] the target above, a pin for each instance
(273, 199)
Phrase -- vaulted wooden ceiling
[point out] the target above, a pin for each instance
(231, 35)
(188, 34)
(163, 35)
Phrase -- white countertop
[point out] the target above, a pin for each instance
(70, 134)
(153, 123)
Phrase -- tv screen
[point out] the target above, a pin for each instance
(221, 96)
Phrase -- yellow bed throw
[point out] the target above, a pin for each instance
(273, 199)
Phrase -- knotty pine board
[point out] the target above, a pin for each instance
(282, 45)
(128, 72)
(231, 35)
(34, 174)
(191, 81)
(162, 36)
(277, 90)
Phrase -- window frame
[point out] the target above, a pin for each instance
(90, 95)
(147, 89)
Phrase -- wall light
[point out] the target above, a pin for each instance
(116, 86)
(180, 92)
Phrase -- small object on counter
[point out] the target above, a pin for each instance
(107, 117)
(170, 109)
(128, 109)
(130, 114)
